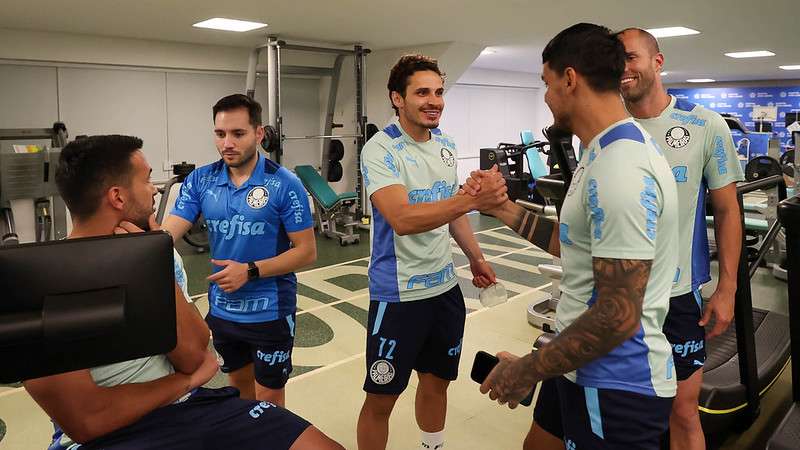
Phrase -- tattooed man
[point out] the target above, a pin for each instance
(608, 377)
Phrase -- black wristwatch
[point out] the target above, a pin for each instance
(252, 271)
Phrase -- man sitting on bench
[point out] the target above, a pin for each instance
(155, 402)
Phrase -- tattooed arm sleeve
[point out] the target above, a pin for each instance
(539, 230)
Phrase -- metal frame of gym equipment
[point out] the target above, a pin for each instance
(786, 435)
(32, 176)
(274, 128)
(733, 382)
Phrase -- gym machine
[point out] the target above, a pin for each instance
(274, 138)
(197, 236)
(32, 176)
(786, 436)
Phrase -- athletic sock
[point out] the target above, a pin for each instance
(432, 441)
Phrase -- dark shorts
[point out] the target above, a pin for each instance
(268, 345)
(209, 419)
(685, 335)
(595, 418)
(423, 335)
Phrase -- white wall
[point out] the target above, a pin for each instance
(169, 110)
(486, 107)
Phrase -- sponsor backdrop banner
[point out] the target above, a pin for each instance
(739, 102)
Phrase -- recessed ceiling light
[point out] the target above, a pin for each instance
(794, 67)
(488, 51)
(754, 54)
(671, 32)
(700, 80)
(218, 23)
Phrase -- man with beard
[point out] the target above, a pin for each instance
(698, 146)
(155, 402)
(260, 231)
(416, 313)
(607, 377)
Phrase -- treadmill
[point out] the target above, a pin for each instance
(744, 361)
(787, 436)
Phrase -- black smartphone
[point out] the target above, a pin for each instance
(482, 367)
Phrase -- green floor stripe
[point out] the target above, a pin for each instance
(484, 239)
(529, 259)
(359, 314)
(360, 263)
(352, 281)
(486, 251)
(312, 331)
(480, 222)
(523, 277)
(306, 291)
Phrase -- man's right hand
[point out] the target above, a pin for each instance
(488, 187)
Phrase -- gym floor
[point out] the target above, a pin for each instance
(325, 387)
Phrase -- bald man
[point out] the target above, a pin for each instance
(698, 146)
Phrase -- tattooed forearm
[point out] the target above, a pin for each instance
(539, 230)
(615, 317)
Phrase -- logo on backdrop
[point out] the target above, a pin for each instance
(258, 197)
(448, 158)
(381, 372)
(677, 137)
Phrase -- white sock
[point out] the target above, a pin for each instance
(432, 441)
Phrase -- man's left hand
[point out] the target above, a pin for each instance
(483, 275)
(505, 383)
(232, 277)
(720, 305)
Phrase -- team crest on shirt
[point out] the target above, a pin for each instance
(258, 197)
(447, 157)
(677, 137)
(381, 372)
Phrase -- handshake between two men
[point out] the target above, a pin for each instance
(488, 188)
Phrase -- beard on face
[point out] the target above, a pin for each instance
(562, 122)
(414, 118)
(644, 84)
(247, 156)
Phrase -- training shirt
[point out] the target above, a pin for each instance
(248, 223)
(416, 266)
(622, 204)
(698, 146)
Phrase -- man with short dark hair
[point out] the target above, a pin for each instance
(607, 377)
(155, 402)
(416, 313)
(260, 231)
(698, 146)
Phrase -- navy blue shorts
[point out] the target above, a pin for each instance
(608, 419)
(685, 335)
(209, 419)
(268, 345)
(423, 335)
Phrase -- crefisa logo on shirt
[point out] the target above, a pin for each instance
(447, 157)
(258, 197)
(677, 137)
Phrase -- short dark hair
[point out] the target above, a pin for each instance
(592, 50)
(406, 66)
(88, 167)
(236, 101)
